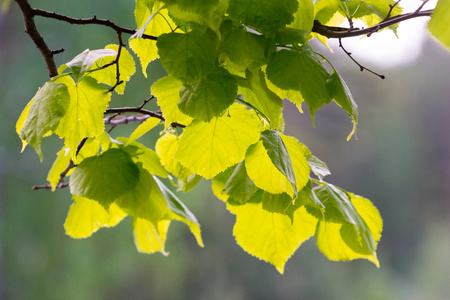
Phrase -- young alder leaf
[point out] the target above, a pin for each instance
(105, 177)
(146, 49)
(292, 70)
(143, 128)
(239, 186)
(268, 16)
(209, 97)
(256, 93)
(269, 236)
(167, 91)
(86, 216)
(179, 211)
(341, 94)
(279, 155)
(208, 148)
(333, 241)
(293, 96)
(324, 10)
(372, 12)
(245, 48)
(150, 238)
(84, 116)
(47, 108)
(187, 56)
(264, 173)
(145, 201)
(304, 16)
(21, 121)
(146, 156)
(81, 63)
(219, 181)
(108, 75)
(438, 25)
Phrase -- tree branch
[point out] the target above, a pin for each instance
(339, 32)
(30, 28)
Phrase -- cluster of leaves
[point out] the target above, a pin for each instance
(230, 63)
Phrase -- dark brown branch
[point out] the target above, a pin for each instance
(87, 21)
(31, 29)
(340, 33)
(361, 67)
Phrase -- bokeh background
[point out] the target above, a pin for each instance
(401, 161)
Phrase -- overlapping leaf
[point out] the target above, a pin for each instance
(108, 75)
(208, 148)
(187, 56)
(84, 116)
(44, 114)
(210, 97)
(292, 70)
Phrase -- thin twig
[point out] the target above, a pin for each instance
(391, 8)
(361, 67)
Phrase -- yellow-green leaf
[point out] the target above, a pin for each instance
(150, 238)
(438, 25)
(271, 236)
(87, 216)
(208, 148)
(108, 75)
(84, 117)
(142, 129)
(146, 49)
(167, 91)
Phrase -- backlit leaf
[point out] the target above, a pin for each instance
(150, 238)
(143, 128)
(438, 25)
(108, 75)
(47, 108)
(87, 216)
(208, 148)
(245, 48)
(239, 186)
(270, 236)
(167, 91)
(146, 49)
(81, 63)
(84, 117)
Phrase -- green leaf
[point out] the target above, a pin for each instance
(239, 186)
(438, 25)
(318, 167)
(341, 94)
(208, 148)
(141, 154)
(324, 10)
(179, 211)
(372, 12)
(258, 95)
(344, 244)
(146, 49)
(87, 216)
(245, 48)
(304, 16)
(167, 91)
(269, 236)
(284, 204)
(292, 70)
(268, 16)
(105, 177)
(187, 56)
(293, 96)
(47, 108)
(108, 75)
(84, 117)
(145, 201)
(219, 181)
(210, 97)
(150, 238)
(81, 63)
(279, 155)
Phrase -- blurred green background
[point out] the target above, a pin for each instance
(401, 161)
